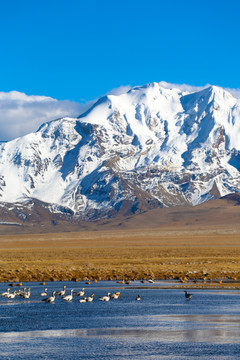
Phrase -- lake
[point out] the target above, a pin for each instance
(163, 325)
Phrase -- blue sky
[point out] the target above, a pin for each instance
(79, 50)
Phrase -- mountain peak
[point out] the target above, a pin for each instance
(152, 146)
(219, 93)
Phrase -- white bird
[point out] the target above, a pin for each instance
(83, 300)
(138, 298)
(6, 293)
(62, 292)
(90, 298)
(105, 298)
(26, 295)
(12, 296)
(81, 292)
(68, 297)
(50, 299)
(44, 293)
(115, 295)
(22, 293)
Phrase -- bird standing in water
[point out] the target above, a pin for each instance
(187, 295)
(50, 299)
(62, 292)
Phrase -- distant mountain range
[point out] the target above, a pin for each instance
(150, 147)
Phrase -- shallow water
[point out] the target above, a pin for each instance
(163, 325)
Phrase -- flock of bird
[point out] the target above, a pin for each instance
(62, 293)
(22, 293)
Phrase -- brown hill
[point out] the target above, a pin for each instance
(37, 218)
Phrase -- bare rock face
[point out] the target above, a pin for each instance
(150, 147)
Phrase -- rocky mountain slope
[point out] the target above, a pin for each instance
(150, 147)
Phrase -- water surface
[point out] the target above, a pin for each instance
(163, 325)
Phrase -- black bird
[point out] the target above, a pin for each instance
(187, 295)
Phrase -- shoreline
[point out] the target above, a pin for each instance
(172, 285)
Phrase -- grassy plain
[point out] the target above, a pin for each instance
(158, 253)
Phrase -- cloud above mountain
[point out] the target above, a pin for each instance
(21, 114)
(120, 90)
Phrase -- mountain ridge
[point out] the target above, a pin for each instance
(150, 147)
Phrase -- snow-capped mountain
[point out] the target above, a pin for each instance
(149, 147)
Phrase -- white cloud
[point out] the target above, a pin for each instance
(120, 90)
(21, 114)
(234, 92)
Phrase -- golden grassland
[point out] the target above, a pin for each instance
(121, 254)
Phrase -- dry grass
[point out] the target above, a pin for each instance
(120, 254)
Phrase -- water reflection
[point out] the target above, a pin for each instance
(229, 334)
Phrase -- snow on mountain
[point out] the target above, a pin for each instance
(152, 146)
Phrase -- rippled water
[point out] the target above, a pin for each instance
(163, 325)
